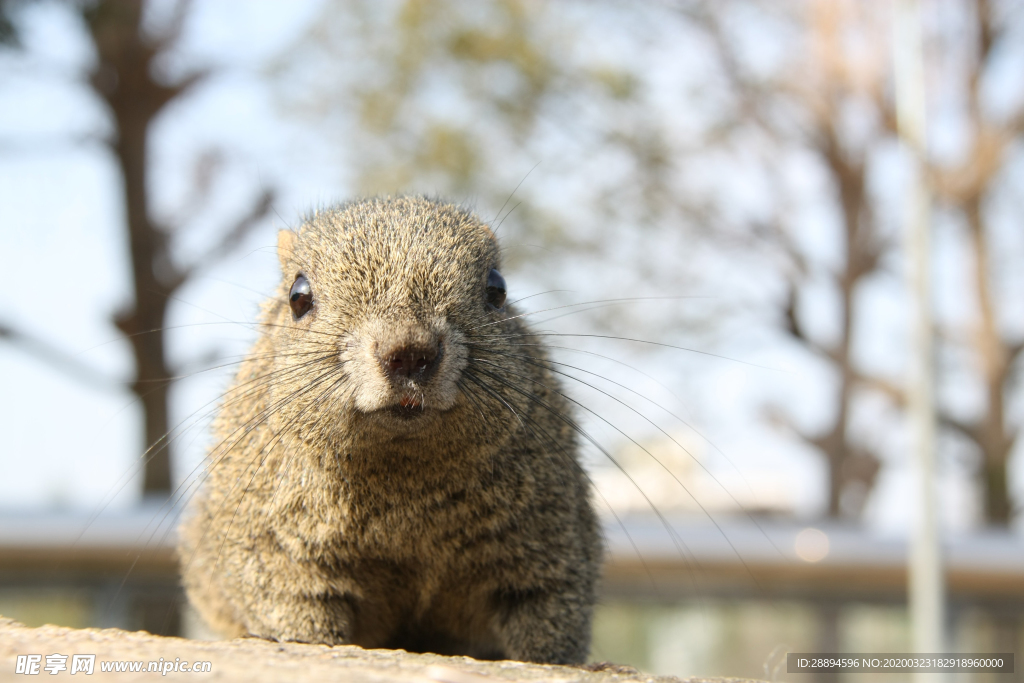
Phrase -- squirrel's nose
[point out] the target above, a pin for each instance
(414, 361)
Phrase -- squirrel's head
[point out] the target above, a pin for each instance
(377, 302)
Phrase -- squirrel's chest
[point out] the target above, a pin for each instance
(433, 527)
(440, 526)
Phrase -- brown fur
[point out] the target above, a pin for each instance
(330, 516)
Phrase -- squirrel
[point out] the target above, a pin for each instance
(395, 464)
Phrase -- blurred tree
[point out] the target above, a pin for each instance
(466, 98)
(128, 78)
(833, 99)
(971, 185)
(827, 101)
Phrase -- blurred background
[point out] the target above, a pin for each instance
(703, 199)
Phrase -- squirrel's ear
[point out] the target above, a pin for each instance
(285, 247)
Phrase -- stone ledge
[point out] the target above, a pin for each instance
(254, 661)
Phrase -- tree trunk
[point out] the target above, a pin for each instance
(123, 79)
(990, 433)
(849, 465)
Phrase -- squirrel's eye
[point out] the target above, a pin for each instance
(301, 296)
(495, 290)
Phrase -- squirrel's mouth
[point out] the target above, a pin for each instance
(410, 402)
(406, 411)
(407, 407)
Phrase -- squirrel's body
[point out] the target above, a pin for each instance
(395, 464)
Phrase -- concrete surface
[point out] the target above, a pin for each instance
(252, 661)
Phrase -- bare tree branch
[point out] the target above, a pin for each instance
(49, 145)
(60, 360)
(970, 430)
(171, 31)
(1013, 352)
(230, 240)
(895, 392)
(198, 364)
